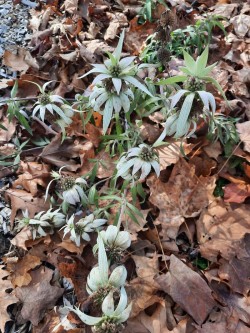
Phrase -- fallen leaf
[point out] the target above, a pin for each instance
(6, 298)
(39, 296)
(170, 154)
(238, 306)
(236, 192)
(241, 24)
(21, 238)
(220, 230)
(213, 150)
(187, 289)
(244, 133)
(184, 195)
(5, 136)
(142, 294)
(20, 269)
(16, 60)
(22, 200)
(32, 174)
(71, 6)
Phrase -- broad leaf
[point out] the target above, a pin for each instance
(184, 114)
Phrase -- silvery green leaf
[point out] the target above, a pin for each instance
(173, 79)
(123, 239)
(122, 303)
(184, 114)
(146, 168)
(111, 234)
(127, 165)
(101, 77)
(94, 281)
(96, 92)
(125, 62)
(101, 100)
(175, 99)
(156, 167)
(117, 84)
(93, 70)
(108, 304)
(201, 61)
(125, 314)
(107, 114)
(207, 70)
(125, 102)
(189, 63)
(102, 261)
(217, 85)
(101, 67)
(207, 98)
(117, 103)
(129, 93)
(59, 112)
(88, 320)
(118, 276)
(137, 84)
(118, 51)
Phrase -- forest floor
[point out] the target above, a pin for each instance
(187, 261)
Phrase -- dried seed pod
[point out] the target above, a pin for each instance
(162, 35)
(163, 55)
(168, 18)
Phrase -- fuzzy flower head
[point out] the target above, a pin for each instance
(142, 158)
(82, 228)
(70, 188)
(112, 319)
(48, 102)
(42, 223)
(112, 85)
(115, 242)
(99, 281)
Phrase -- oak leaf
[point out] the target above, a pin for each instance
(38, 296)
(244, 134)
(31, 175)
(220, 230)
(188, 289)
(20, 269)
(22, 200)
(6, 298)
(183, 196)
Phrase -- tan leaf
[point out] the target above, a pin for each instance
(5, 298)
(220, 230)
(5, 136)
(238, 306)
(147, 268)
(244, 133)
(38, 296)
(71, 6)
(241, 24)
(22, 200)
(64, 154)
(20, 269)
(213, 150)
(184, 195)
(142, 294)
(187, 289)
(20, 239)
(236, 192)
(32, 174)
(16, 61)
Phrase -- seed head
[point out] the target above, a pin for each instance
(65, 183)
(163, 55)
(168, 18)
(147, 154)
(194, 84)
(44, 99)
(115, 70)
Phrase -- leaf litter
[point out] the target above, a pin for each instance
(188, 265)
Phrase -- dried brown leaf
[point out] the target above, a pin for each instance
(244, 133)
(31, 175)
(22, 200)
(20, 269)
(184, 195)
(5, 136)
(39, 296)
(220, 230)
(187, 289)
(5, 298)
